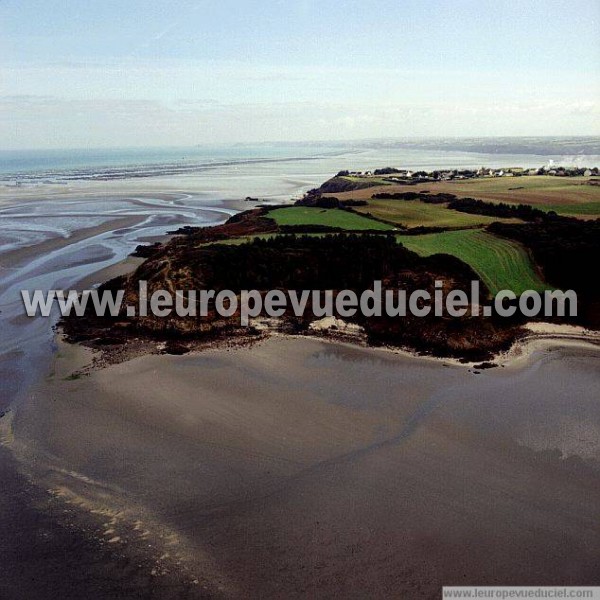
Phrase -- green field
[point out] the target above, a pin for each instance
(583, 209)
(332, 217)
(245, 239)
(501, 264)
(414, 213)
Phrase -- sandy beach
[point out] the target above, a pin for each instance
(300, 467)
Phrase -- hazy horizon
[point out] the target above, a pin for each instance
(593, 140)
(187, 73)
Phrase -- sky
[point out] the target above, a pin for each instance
(93, 73)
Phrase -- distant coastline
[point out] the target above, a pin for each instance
(29, 167)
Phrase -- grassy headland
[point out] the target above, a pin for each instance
(406, 239)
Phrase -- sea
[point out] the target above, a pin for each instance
(309, 160)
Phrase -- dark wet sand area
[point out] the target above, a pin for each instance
(300, 468)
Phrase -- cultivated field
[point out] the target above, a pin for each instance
(565, 195)
(501, 264)
(414, 213)
(332, 217)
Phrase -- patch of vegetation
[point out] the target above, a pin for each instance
(422, 196)
(328, 202)
(386, 171)
(73, 377)
(146, 250)
(368, 181)
(525, 212)
(501, 264)
(347, 183)
(250, 238)
(334, 217)
(414, 213)
(578, 210)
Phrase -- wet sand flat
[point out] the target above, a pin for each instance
(72, 237)
(51, 550)
(299, 468)
(21, 256)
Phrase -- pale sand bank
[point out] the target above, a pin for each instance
(300, 468)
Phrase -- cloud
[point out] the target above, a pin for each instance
(28, 120)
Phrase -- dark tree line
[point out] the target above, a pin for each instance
(426, 197)
(328, 202)
(525, 212)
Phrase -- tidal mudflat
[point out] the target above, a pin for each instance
(69, 237)
(301, 467)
